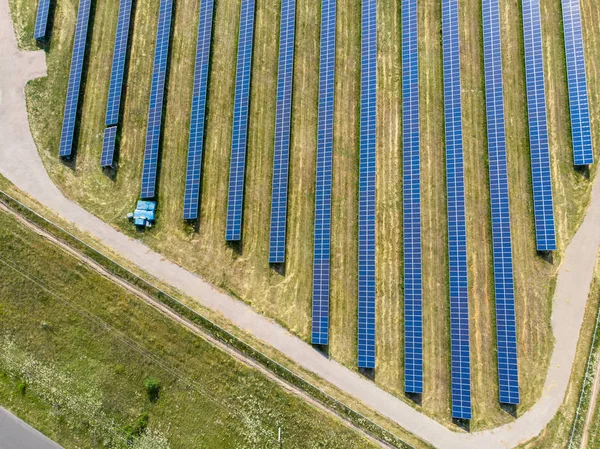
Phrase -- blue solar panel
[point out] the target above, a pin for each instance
(161, 54)
(322, 237)
(108, 147)
(41, 21)
(77, 59)
(413, 290)
(366, 207)
(118, 64)
(578, 94)
(506, 323)
(191, 200)
(457, 228)
(235, 203)
(283, 114)
(543, 207)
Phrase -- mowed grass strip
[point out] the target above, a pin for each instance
(287, 297)
(84, 332)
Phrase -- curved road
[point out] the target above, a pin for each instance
(20, 163)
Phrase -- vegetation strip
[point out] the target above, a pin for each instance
(586, 387)
(208, 326)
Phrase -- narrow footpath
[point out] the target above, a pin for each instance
(21, 164)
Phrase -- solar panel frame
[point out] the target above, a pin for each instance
(108, 147)
(583, 153)
(457, 235)
(155, 109)
(113, 105)
(504, 288)
(413, 283)
(75, 74)
(323, 183)
(239, 138)
(41, 21)
(543, 205)
(283, 127)
(191, 200)
(367, 175)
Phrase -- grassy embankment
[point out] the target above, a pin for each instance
(76, 350)
(287, 298)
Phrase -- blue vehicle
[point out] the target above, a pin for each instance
(144, 214)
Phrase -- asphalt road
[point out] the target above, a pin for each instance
(16, 434)
(20, 163)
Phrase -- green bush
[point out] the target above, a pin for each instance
(152, 386)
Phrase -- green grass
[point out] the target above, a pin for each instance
(84, 348)
(287, 298)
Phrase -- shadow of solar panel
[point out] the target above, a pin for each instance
(457, 229)
(41, 20)
(543, 207)
(281, 162)
(118, 65)
(366, 207)
(508, 378)
(108, 147)
(322, 233)
(191, 199)
(413, 291)
(577, 81)
(237, 168)
(73, 89)
(161, 53)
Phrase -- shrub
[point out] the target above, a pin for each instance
(152, 386)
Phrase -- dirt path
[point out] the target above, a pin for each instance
(21, 164)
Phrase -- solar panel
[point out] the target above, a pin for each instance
(77, 59)
(366, 208)
(457, 228)
(283, 114)
(508, 375)
(118, 64)
(191, 199)
(108, 147)
(543, 207)
(41, 21)
(235, 203)
(322, 236)
(161, 53)
(413, 290)
(577, 80)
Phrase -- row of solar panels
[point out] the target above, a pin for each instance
(504, 284)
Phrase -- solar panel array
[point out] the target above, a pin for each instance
(73, 89)
(543, 207)
(161, 53)
(191, 200)
(108, 146)
(237, 168)
(282, 132)
(413, 291)
(457, 228)
(508, 375)
(41, 20)
(366, 212)
(322, 237)
(578, 95)
(118, 64)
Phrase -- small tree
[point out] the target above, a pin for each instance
(152, 386)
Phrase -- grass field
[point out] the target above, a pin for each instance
(76, 349)
(287, 298)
